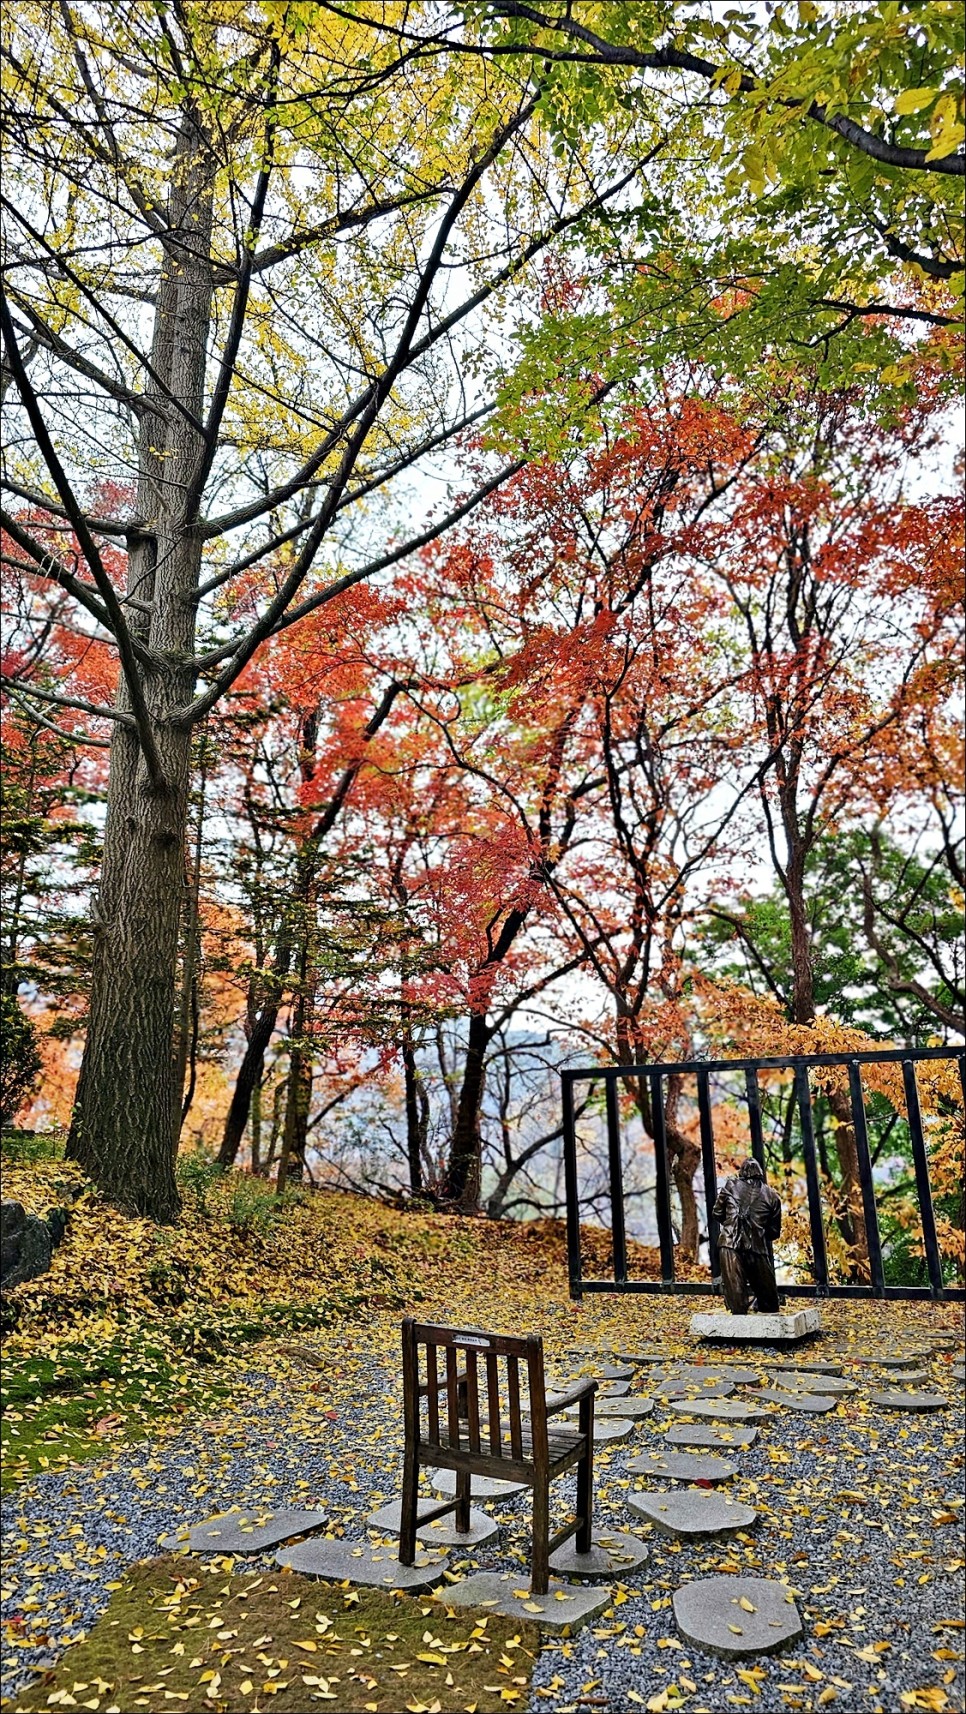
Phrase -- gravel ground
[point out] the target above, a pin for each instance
(854, 1516)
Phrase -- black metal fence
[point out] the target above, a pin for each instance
(706, 1074)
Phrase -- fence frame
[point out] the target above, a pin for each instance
(703, 1070)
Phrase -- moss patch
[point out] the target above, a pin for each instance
(176, 1636)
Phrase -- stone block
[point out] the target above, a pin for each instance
(682, 1467)
(737, 1616)
(692, 1511)
(772, 1329)
(613, 1553)
(360, 1562)
(481, 1487)
(705, 1434)
(243, 1532)
(441, 1532)
(563, 1607)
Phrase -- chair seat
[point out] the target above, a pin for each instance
(562, 1443)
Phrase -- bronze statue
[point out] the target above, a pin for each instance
(750, 1215)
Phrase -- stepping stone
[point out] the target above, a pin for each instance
(810, 1366)
(692, 1511)
(442, 1531)
(605, 1389)
(360, 1562)
(563, 1606)
(702, 1434)
(612, 1428)
(737, 1616)
(638, 1357)
(814, 1402)
(682, 1467)
(481, 1487)
(910, 1377)
(945, 1342)
(958, 1371)
(830, 1385)
(890, 1360)
(613, 1553)
(910, 1401)
(242, 1532)
(705, 1374)
(722, 1410)
(614, 1372)
(771, 1328)
(677, 1388)
(613, 1410)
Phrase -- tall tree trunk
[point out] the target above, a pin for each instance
(417, 1111)
(121, 1131)
(186, 1038)
(464, 1170)
(250, 1073)
(850, 1215)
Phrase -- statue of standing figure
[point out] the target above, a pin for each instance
(750, 1216)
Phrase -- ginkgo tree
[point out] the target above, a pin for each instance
(250, 251)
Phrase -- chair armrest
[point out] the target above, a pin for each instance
(562, 1401)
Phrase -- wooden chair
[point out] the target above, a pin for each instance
(480, 1439)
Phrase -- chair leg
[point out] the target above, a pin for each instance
(463, 1501)
(585, 1481)
(540, 1561)
(407, 1521)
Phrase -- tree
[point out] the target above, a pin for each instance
(267, 213)
(886, 939)
(827, 198)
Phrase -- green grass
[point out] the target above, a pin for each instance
(67, 1409)
(176, 1636)
(33, 1145)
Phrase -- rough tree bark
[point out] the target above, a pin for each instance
(125, 1091)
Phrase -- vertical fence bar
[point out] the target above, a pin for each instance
(665, 1230)
(616, 1164)
(709, 1171)
(570, 1182)
(815, 1216)
(927, 1217)
(754, 1116)
(861, 1132)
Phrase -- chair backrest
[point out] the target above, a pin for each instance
(476, 1371)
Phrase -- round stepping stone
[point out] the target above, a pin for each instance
(958, 1371)
(793, 1380)
(481, 1487)
(737, 1616)
(243, 1532)
(682, 1467)
(945, 1342)
(890, 1359)
(615, 1372)
(441, 1531)
(612, 1428)
(564, 1605)
(910, 1377)
(702, 1434)
(814, 1402)
(605, 1389)
(814, 1366)
(631, 1410)
(910, 1401)
(722, 1410)
(639, 1357)
(692, 1511)
(707, 1373)
(360, 1562)
(677, 1388)
(613, 1553)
